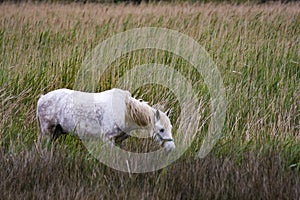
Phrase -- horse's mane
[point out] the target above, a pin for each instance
(139, 111)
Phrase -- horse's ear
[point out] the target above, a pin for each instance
(157, 115)
(168, 112)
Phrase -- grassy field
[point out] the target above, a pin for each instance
(256, 49)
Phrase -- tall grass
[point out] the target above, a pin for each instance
(256, 48)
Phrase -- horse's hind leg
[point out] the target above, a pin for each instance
(58, 131)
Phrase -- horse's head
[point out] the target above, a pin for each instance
(163, 130)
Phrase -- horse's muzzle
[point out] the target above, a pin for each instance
(169, 146)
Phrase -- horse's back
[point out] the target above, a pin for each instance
(62, 97)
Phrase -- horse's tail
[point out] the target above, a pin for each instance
(37, 108)
(38, 118)
(39, 134)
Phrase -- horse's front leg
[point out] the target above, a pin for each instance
(120, 138)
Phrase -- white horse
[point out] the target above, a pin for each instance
(111, 114)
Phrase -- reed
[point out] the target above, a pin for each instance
(256, 49)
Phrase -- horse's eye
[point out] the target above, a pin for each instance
(161, 130)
